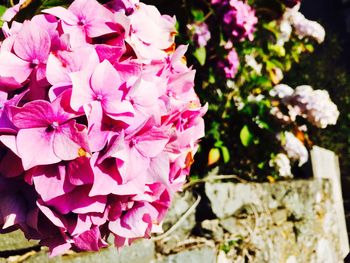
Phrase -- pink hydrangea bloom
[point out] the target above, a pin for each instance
(238, 19)
(99, 122)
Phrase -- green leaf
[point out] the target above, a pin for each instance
(261, 165)
(198, 15)
(225, 154)
(200, 54)
(211, 79)
(2, 11)
(246, 136)
(262, 124)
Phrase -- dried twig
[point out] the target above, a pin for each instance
(179, 222)
(213, 178)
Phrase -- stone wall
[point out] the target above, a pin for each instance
(289, 222)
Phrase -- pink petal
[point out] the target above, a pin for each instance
(32, 43)
(77, 36)
(78, 202)
(50, 182)
(62, 13)
(13, 66)
(107, 180)
(33, 114)
(152, 143)
(79, 171)
(136, 223)
(61, 63)
(111, 53)
(144, 93)
(79, 226)
(105, 80)
(68, 141)
(159, 171)
(81, 92)
(135, 164)
(98, 128)
(90, 240)
(52, 216)
(35, 146)
(10, 142)
(99, 27)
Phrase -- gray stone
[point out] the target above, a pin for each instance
(199, 255)
(141, 251)
(278, 222)
(325, 164)
(279, 216)
(228, 198)
(214, 228)
(237, 227)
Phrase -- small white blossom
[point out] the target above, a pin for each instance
(282, 165)
(255, 98)
(251, 62)
(295, 149)
(281, 91)
(303, 26)
(285, 29)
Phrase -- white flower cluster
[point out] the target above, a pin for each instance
(304, 27)
(294, 148)
(281, 91)
(253, 64)
(314, 105)
(282, 165)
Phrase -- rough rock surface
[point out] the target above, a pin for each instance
(291, 221)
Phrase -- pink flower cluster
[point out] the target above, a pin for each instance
(231, 64)
(99, 123)
(238, 18)
(200, 33)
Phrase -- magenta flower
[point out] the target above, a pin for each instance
(47, 134)
(99, 122)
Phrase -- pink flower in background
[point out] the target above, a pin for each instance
(200, 33)
(238, 19)
(99, 122)
(231, 64)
